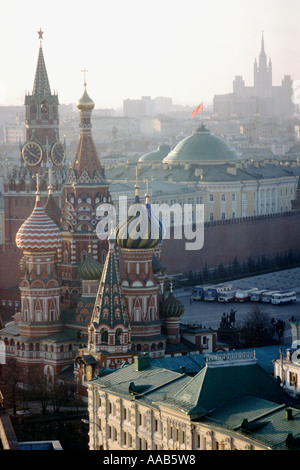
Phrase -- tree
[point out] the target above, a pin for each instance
(10, 383)
(256, 329)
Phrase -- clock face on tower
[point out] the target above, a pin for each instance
(58, 153)
(32, 153)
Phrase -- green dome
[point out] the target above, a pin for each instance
(90, 269)
(156, 155)
(171, 307)
(202, 147)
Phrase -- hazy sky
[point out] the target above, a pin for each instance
(188, 50)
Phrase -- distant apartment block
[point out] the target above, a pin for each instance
(146, 106)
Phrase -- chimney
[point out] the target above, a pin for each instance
(141, 362)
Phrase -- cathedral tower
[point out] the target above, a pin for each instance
(84, 191)
(139, 237)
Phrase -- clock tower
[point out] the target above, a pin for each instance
(42, 153)
(42, 146)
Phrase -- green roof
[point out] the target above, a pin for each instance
(156, 155)
(226, 382)
(202, 147)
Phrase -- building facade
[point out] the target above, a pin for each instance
(222, 407)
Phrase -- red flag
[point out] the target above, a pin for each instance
(197, 110)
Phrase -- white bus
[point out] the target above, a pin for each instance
(227, 296)
(256, 295)
(283, 298)
(266, 297)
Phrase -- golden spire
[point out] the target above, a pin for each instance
(147, 193)
(136, 183)
(37, 187)
(50, 187)
(90, 245)
(171, 284)
(84, 76)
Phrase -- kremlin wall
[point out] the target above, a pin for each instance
(257, 236)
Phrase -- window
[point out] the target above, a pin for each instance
(233, 197)
(223, 197)
(223, 216)
(211, 198)
(104, 336)
(293, 378)
(211, 216)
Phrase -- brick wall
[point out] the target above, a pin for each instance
(224, 240)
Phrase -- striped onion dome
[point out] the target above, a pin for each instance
(156, 264)
(171, 307)
(38, 232)
(90, 269)
(142, 229)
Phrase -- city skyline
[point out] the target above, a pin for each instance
(131, 49)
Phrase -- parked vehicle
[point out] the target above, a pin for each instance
(244, 295)
(212, 293)
(227, 296)
(256, 295)
(266, 297)
(197, 293)
(283, 298)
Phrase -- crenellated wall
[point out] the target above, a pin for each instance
(224, 240)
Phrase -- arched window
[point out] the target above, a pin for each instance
(83, 256)
(118, 336)
(104, 337)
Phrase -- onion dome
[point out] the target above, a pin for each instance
(85, 103)
(90, 269)
(38, 232)
(171, 307)
(202, 147)
(142, 229)
(156, 264)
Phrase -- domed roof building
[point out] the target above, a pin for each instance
(170, 311)
(142, 229)
(156, 155)
(85, 103)
(90, 269)
(202, 147)
(38, 232)
(171, 306)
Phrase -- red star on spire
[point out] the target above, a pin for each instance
(40, 33)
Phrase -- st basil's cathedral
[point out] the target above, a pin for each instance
(86, 304)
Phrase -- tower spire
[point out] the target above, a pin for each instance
(86, 167)
(41, 86)
(262, 43)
